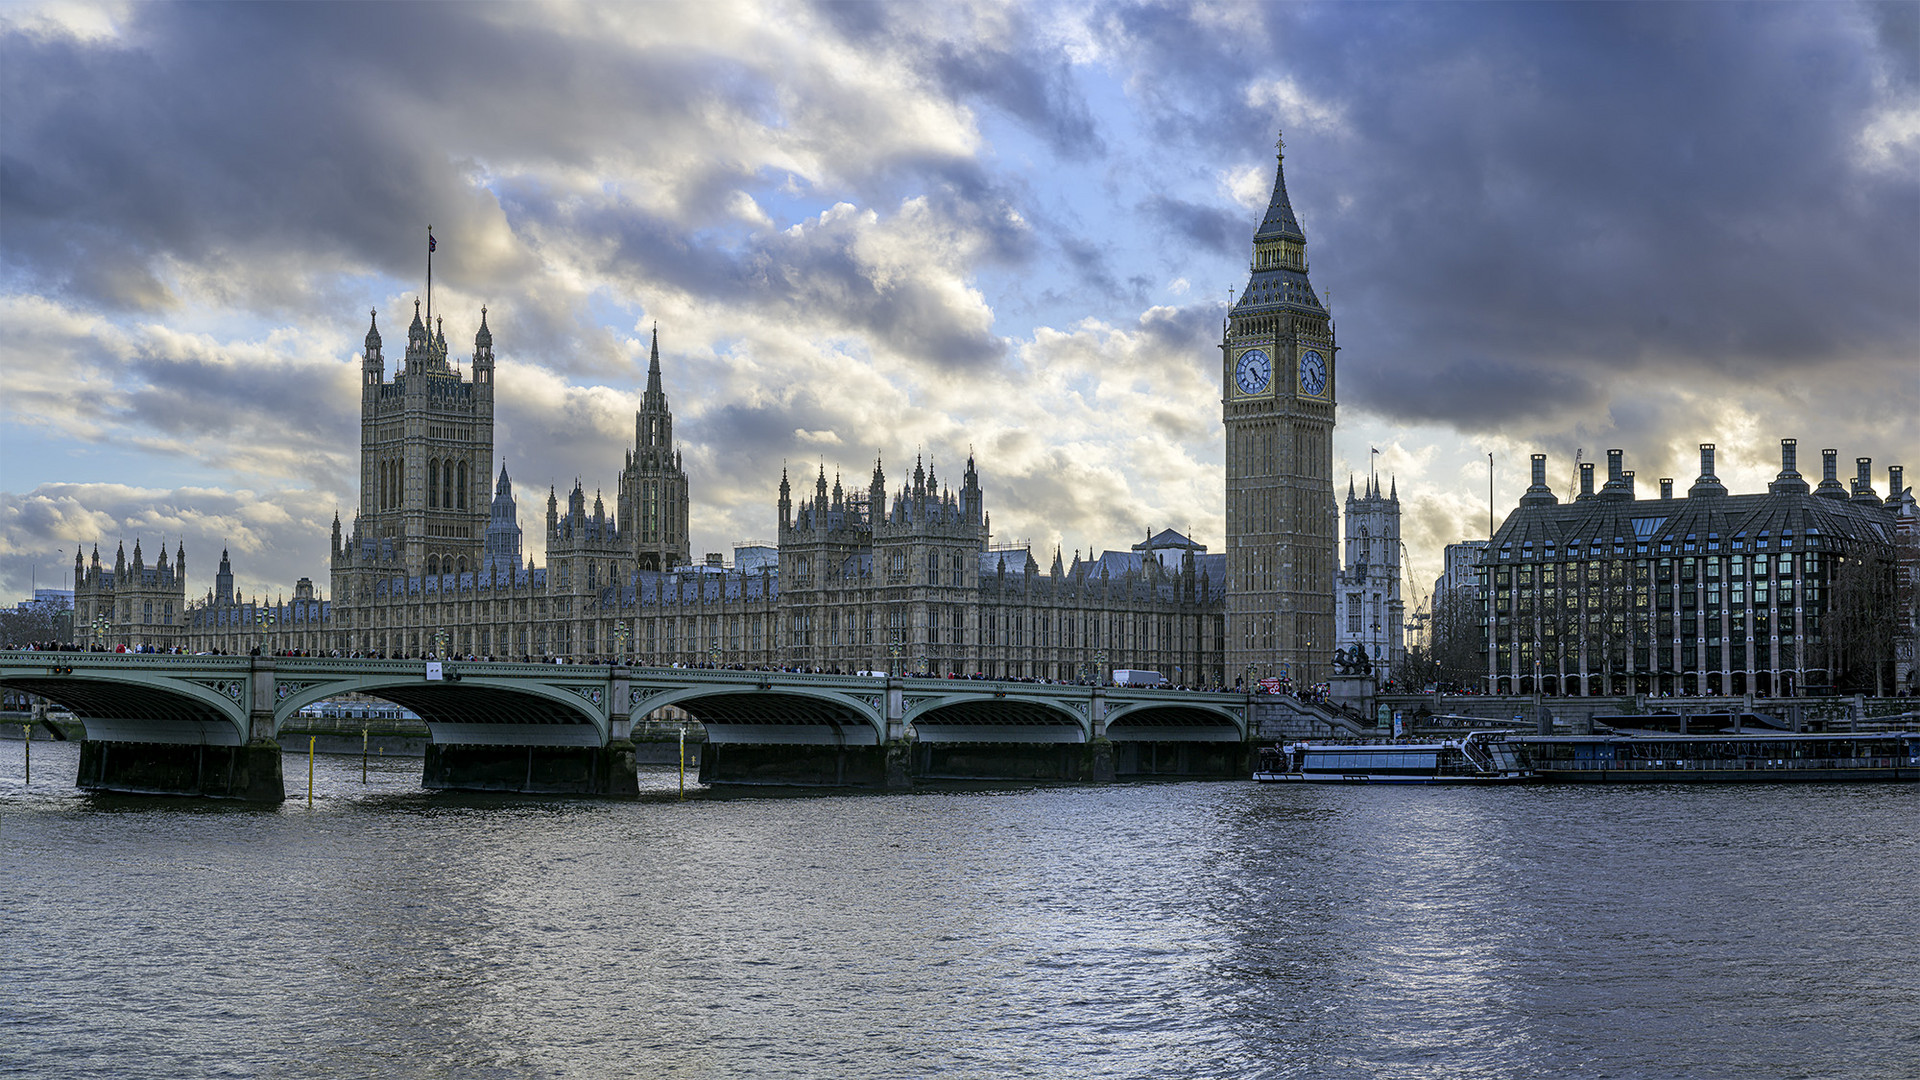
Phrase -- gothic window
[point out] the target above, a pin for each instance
(433, 564)
(461, 487)
(433, 483)
(446, 485)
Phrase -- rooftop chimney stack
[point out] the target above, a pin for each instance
(1539, 494)
(1586, 480)
(1830, 475)
(1666, 487)
(1789, 481)
(1616, 477)
(1707, 484)
(1626, 482)
(1863, 481)
(1896, 484)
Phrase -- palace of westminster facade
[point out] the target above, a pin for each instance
(864, 579)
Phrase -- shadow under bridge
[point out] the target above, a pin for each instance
(472, 713)
(996, 719)
(783, 717)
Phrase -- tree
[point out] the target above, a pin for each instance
(1455, 653)
(36, 622)
(1862, 621)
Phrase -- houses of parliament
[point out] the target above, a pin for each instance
(896, 576)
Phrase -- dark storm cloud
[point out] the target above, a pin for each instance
(1512, 202)
(1212, 227)
(1020, 73)
(212, 133)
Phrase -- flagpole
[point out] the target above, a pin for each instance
(429, 283)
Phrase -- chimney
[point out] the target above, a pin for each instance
(1586, 480)
(1862, 486)
(1896, 484)
(1830, 475)
(1626, 483)
(1789, 481)
(1707, 484)
(1539, 494)
(1616, 478)
(1666, 487)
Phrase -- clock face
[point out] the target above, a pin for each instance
(1253, 372)
(1313, 373)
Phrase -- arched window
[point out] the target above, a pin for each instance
(433, 564)
(433, 483)
(463, 564)
(462, 488)
(446, 485)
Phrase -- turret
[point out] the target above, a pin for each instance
(970, 500)
(373, 367)
(553, 511)
(417, 340)
(786, 502)
(223, 579)
(483, 356)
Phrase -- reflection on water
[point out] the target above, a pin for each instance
(1157, 930)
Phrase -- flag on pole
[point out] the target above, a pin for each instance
(432, 244)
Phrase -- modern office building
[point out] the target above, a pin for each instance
(1705, 593)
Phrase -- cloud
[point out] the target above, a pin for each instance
(901, 229)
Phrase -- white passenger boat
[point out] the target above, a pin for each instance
(1480, 757)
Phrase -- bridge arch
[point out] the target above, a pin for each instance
(129, 703)
(995, 716)
(790, 715)
(1174, 721)
(477, 707)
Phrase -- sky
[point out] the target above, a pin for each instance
(922, 231)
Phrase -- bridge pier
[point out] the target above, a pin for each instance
(249, 773)
(607, 771)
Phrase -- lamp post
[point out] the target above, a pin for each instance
(440, 641)
(713, 654)
(893, 659)
(1100, 666)
(620, 635)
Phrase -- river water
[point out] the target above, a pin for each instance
(1150, 930)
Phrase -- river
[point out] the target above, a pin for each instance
(1136, 930)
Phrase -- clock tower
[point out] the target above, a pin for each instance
(1277, 399)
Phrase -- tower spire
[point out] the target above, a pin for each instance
(653, 366)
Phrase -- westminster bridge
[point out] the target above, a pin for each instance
(209, 725)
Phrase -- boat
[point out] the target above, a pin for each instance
(1657, 757)
(1478, 757)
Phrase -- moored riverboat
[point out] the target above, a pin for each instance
(1479, 757)
(1724, 758)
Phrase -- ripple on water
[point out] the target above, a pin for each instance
(1160, 930)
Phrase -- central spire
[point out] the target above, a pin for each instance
(654, 390)
(1280, 221)
(1278, 281)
